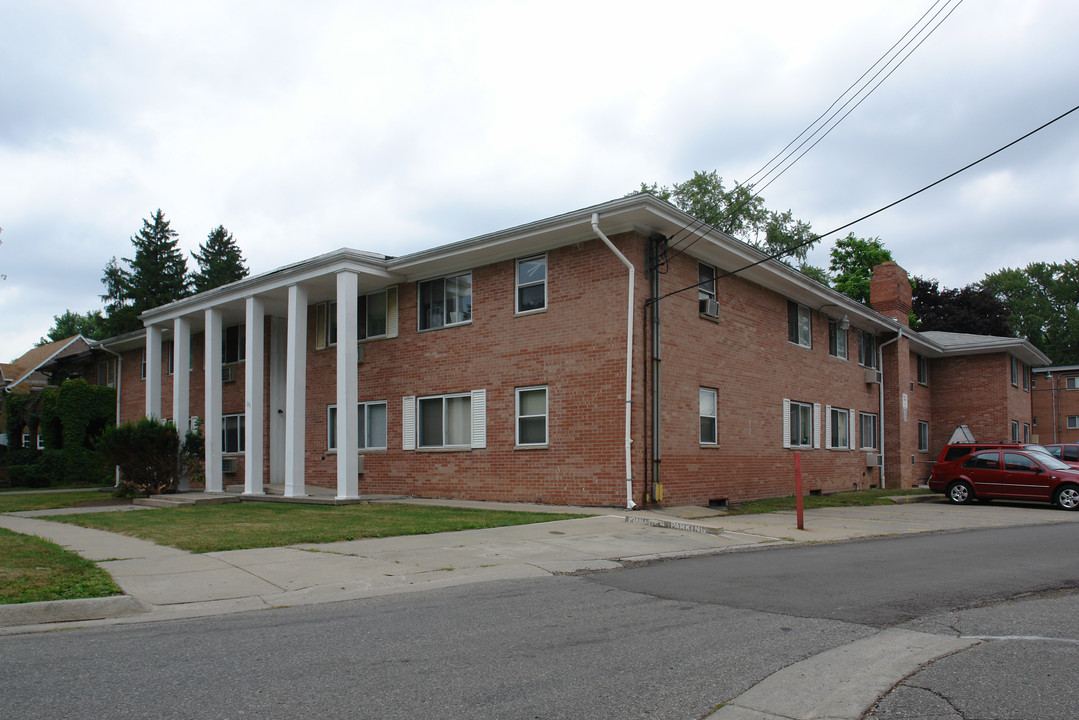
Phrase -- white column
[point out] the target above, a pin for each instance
(348, 465)
(254, 412)
(211, 425)
(278, 348)
(295, 392)
(153, 372)
(181, 381)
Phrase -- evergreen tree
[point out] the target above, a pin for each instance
(155, 276)
(220, 261)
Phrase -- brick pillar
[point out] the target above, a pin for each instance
(890, 292)
(900, 427)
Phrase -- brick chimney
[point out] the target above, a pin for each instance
(890, 292)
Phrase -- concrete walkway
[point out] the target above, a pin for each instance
(162, 583)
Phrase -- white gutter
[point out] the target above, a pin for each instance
(880, 401)
(630, 505)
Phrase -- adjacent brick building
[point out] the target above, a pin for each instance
(1055, 400)
(618, 354)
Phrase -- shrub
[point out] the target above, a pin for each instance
(146, 452)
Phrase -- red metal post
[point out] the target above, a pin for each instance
(798, 488)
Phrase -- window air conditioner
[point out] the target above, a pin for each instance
(872, 376)
(228, 374)
(228, 466)
(360, 352)
(873, 460)
(708, 307)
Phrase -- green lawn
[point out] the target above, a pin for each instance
(32, 570)
(49, 501)
(209, 528)
(842, 499)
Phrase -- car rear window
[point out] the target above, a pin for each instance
(983, 461)
(956, 452)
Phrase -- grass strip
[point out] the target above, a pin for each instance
(856, 498)
(50, 501)
(33, 570)
(238, 526)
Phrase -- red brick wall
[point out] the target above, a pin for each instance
(976, 390)
(1052, 401)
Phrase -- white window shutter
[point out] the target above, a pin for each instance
(408, 423)
(828, 425)
(391, 312)
(479, 418)
(850, 428)
(816, 426)
(786, 423)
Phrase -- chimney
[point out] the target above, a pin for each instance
(890, 292)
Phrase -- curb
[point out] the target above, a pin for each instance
(53, 611)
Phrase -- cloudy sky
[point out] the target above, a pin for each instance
(394, 127)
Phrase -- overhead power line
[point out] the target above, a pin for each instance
(890, 205)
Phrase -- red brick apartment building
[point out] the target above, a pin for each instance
(1055, 400)
(607, 356)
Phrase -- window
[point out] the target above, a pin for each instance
(800, 428)
(106, 373)
(837, 340)
(1019, 463)
(1026, 432)
(838, 428)
(372, 314)
(372, 426)
(167, 349)
(983, 461)
(445, 421)
(1026, 377)
(799, 325)
(1015, 372)
(1071, 382)
(232, 430)
(445, 301)
(233, 349)
(1015, 431)
(142, 372)
(532, 416)
(869, 431)
(532, 283)
(923, 370)
(923, 436)
(40, 441)
(1073, 422)
(867, 349)
(709, 416)
(373, 318)
(26, 440)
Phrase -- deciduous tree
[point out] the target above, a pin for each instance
(853, 260)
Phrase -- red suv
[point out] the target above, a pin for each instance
(1068, 452)
(1007, 473)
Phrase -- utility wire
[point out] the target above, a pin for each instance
(890, 205)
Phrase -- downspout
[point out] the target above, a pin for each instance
(630, 505)
(880, 401)
(119, 374)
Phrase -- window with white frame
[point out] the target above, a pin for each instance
(923, 436)
(1026, 377)
(371, 426)
(531, 283)
(376, 315)
(168, 350)
(26, 440)
(1073, 422)
(800, 425)
(709, 414)
(532, 416)
(867, 349)
(106, 373)
(706, 291)
(869, 431)
(445, 301)
(1071, 382)
(233, 349)
(1015, 372)
(232, 434)
(799, 324)
(923, 370)
(1026, 432)
(142, 370)
(837, 340)
(444, 421)
(372, 315)
(838, 430)
(1015, 431)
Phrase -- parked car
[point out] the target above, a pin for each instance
(1007, 473)
(958, 450)
(1068, 452)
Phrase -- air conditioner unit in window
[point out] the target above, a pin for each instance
(228, 374)
(360, 352)
(708, 307)
(228, 466)
(872, 376)
(874, 460)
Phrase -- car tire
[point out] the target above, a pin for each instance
(1067, 497)
(960, 492)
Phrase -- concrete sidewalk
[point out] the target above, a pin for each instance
(162, 583)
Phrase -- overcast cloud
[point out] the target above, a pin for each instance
(394, 127)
